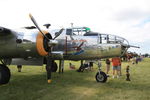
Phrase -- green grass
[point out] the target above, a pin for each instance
(31, 84)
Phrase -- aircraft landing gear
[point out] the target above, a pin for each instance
(51, 66)
(54, 66)
(4, 74)
(49, 69)
(19, 68)
(61, 66)
(100, 75)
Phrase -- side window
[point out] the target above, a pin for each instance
(100, 38)
(103, 38)
(69, 32)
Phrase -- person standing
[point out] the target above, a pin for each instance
(119, 69)
(91, 65)
(115, 64)
(127, 73)
(107, 66)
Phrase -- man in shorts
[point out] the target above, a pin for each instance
(116, 66)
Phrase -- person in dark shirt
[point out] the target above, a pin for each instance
(107, 66)
(127, 73)
(91, 65)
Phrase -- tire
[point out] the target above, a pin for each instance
(54, 67)
(101, 77)
(4, 74)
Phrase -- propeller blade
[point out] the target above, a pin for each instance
(35, 23)
(58, 33)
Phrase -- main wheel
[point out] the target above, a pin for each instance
(101, 77)
(4, 74)
(54, 67)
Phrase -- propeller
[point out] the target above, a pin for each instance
(49, 45)
(58, 33)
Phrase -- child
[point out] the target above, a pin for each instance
(127, 73)
(71, 66)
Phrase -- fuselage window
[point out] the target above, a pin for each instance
(69, 32)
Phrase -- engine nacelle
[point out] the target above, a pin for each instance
(24, 44)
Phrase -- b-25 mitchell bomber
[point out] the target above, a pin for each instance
(33, 46)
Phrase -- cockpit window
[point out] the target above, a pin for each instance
(77, 31)
(106, 38)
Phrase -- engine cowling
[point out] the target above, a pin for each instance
(42, 44)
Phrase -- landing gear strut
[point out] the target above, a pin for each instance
(51, 66)
(54, 66)
(100, 75)
(4, 74)
(19, 68)
(61, 66)
(81, 68)
(48, 69)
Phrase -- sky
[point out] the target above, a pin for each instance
(126, 18)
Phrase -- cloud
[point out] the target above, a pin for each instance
(126, 18)
(131, 15)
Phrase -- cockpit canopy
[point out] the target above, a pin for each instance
(102, 38)
(77, 30)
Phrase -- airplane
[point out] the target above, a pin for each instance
(33, 46)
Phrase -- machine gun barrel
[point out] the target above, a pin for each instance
(133, 46)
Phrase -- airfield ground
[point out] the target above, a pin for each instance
(31, 84)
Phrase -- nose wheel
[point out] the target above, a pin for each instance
(101, 77)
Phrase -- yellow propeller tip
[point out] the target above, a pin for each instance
(49, 81)
(30, 15)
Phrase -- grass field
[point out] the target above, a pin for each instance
(31, 84)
